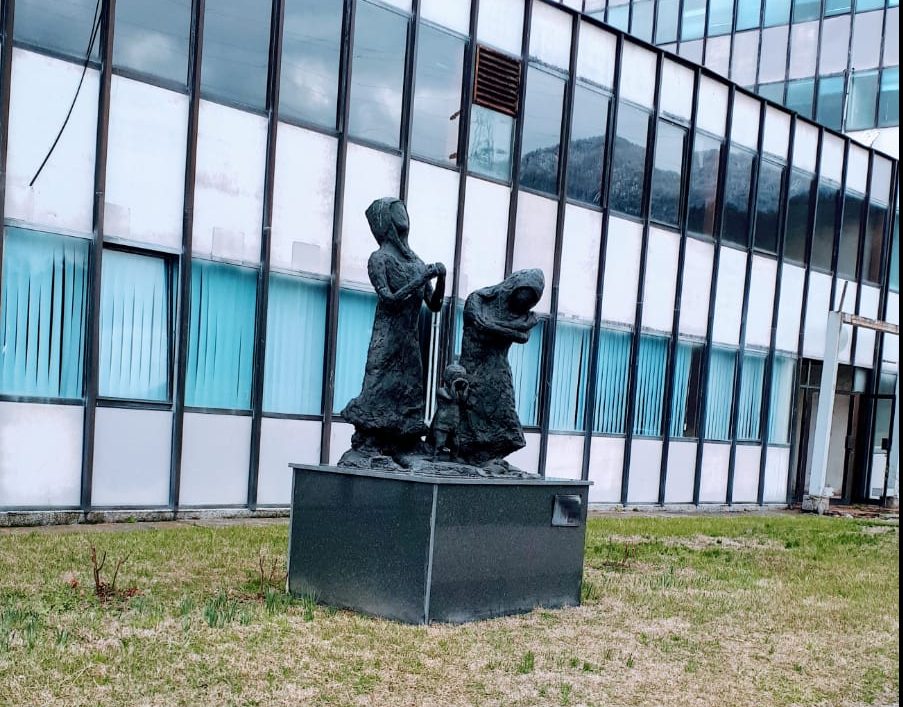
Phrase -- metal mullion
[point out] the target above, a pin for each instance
(801, 336)
(744, 311)
(548, 371)
(603, 247)
(765, 417)
(92, 317)
(518, 137)
(407, 104)
(6, 60)
(263, 273)
(184, 299)
(641, 280)
(668, 393)
(713, 293)
(332, 305)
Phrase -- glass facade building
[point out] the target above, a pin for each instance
(185, 307)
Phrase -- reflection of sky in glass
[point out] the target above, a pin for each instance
(310, 60)
(377, 74)
(666, 29)
(236, 51)
(542, 130)
(61, 25)
(152, 38)
(748, 12)
(693, 26)
(670, 143)
(490, 143)
(437, 94)
(589, 126)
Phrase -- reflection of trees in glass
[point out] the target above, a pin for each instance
(490, 143)
(703, 185)
(737, 193)
(768, 202)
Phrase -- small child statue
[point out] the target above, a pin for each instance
(450, 399)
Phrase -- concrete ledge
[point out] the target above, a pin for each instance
(11, 519)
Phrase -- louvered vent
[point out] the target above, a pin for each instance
(497, 83)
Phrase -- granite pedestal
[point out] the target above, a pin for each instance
(418, 548)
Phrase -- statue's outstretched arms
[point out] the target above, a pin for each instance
(376, 269)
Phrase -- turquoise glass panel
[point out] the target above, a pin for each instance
(749, 405)
(651, 367)
(568, 397)
(357, 311)
(781, 398)
(611, 384)
(722, 369)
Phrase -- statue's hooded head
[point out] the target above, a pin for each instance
(388, 219)
(522, 290)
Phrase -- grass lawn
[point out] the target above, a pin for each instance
(705, 610)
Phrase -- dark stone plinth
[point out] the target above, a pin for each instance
(418, 548)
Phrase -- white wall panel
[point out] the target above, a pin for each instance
(228, 205)
(564, 459)
(131, 457)
(858, 169)
(284, 442)
(527, 458)
(659, 289)
(713, 95)
(694, 306)
(849, 306)
(816, 315)
(303, 200)
(215, 457)
(761, 301)
(605, 467)
(41, 91)
(678, 84)
(596, 55)
(713, 481)
(339, 440)
(729, 297)
(645, 471)
(891, 351)
(746, 473)
(40, 454)
(370, 175)
(681, 472)
(832, 158)
(455, 15)
(745, 129)
(790, 310)
(579, 262)
(865, 339)
(622, 271)
(534, 242)
(433, 209)
(777, 132)
(485, 235)
(550, 35)
(638, 74)
(500, 24)
(805, 146)
(777, 466)
(146, 163)
(893, 307)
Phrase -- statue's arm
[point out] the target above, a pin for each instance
(376, 269)
(434, 296)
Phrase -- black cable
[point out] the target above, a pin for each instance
(95, 26)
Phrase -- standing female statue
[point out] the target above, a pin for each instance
(388, 415)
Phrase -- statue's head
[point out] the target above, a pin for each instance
(453, 372)
(388, 219)
(524, 288)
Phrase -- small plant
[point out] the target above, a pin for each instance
(220, 610)
(17, 623)
(107, 590)
(527, 663)
(624, 562)
(270, 575)
(589, 591)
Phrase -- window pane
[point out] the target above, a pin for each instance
(773, 56)
(357, 311)
(837, 7)
(848, 250)
(834, 33)
(568, 394)
(768, 205)
(667, 175)
(749, 405)
(152, 38)
(687, 386)
(737, 195)
(236, 52)
(773, 92)
(830, 101)
(874, 239)
(892, 39)
(866, 45)
(377, 76)
(800, 96)
(666, 29)
(437, 95)
(42, 314)
(589, 131)
(296, 338)
(611, 384)
(693, 26)
(804, 51)
(641, 23)
(542, 131)
(781, 397)
(650, 386)
(721, 17)
(863, 101)
(894, 283)
(63, 26)
(889, 106)
(619, 16)
(863, 5)
(720, 394)
(309, 83)
(777, 12)
(703, 185)
(748, 14)
(525, 360)
(825, 225)
(805, 10)
(799, 196)
(220, 336)
(745, 60)
(490, 143)
(135, 326)
(629, 166)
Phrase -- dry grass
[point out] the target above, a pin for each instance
(740, 610)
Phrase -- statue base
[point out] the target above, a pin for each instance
(421, 548)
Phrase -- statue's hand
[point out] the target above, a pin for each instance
(435, 270)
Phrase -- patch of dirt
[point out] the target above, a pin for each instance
(700, 542)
